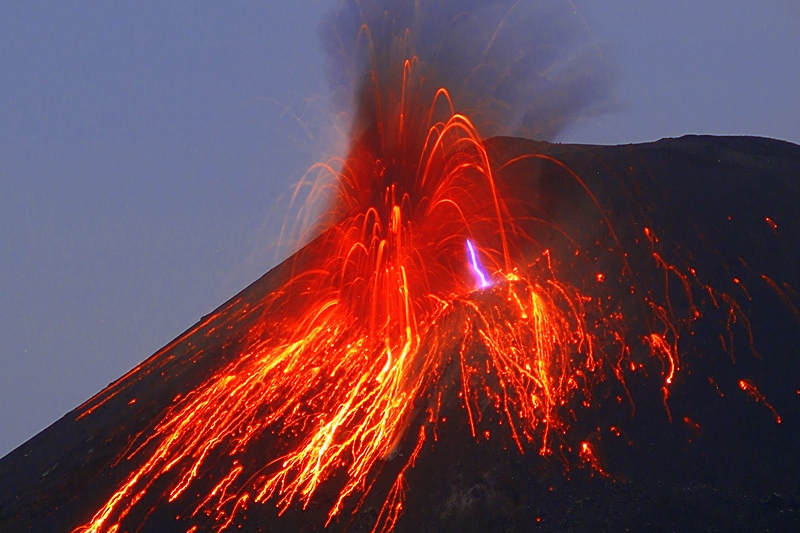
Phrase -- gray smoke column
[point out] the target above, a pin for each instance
(525, 68)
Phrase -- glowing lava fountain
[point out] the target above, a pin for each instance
(360, 348)
(431, 285)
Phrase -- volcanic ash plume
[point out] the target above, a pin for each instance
(527, 68)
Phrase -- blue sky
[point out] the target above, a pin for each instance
(147, 151)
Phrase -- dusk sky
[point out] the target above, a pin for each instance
(147, 153)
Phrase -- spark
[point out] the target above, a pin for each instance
(751, 390)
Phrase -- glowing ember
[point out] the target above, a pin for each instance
(756, 395)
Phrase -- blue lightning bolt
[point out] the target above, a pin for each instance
(476, 266)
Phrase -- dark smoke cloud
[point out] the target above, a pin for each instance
(524, 68)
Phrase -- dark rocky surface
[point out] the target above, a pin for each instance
(721, 464)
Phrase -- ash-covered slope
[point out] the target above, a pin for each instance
(711, 212)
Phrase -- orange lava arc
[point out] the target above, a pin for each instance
(383, 326)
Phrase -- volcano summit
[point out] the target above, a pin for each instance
(705, 423)
(488, 333)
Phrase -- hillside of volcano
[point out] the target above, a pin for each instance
(674, 403)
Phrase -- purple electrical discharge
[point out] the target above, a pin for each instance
(473, 259)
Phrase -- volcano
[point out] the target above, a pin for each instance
(669, 400)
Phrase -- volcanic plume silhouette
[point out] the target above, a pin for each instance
(515, 68)
(487, 334)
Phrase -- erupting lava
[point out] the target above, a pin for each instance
(426, 289)
(356, 343)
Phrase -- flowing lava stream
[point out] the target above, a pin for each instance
(423, 291)
(363, 343)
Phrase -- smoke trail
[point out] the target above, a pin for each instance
(520, 67)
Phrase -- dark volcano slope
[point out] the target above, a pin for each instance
(723, 206)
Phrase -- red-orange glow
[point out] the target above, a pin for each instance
(716, 387)
(771, 223)
(353, 340)
(588, 455)
(692, 424)
(747, 386)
